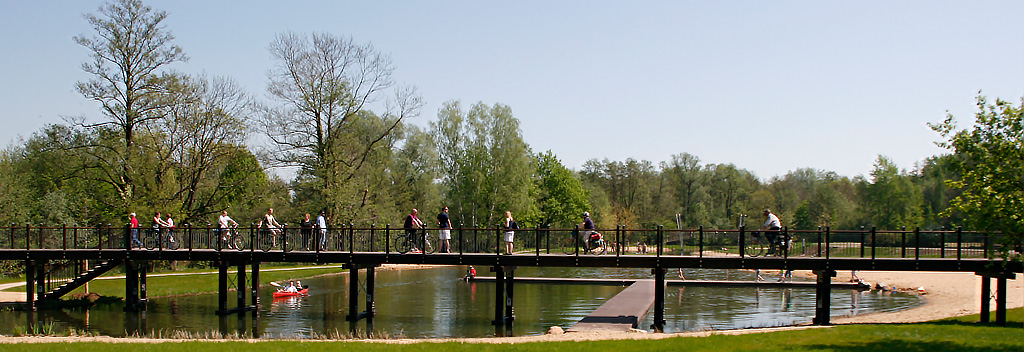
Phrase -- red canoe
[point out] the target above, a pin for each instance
(290, 294)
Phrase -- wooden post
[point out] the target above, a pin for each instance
(986, 296)
(659, 299)
(499, 293)
(255, 291)
(353, 293)
(30, 287)
(1001, 300)
(222, 287)
(143, 296)
(822, 296)
(371, 309)
(240, 289)
(509, 306)
(131, 288)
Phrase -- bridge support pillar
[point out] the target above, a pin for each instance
(659, 299)
(499, 295)
(353, 292)
(986, 297)
(132, 302)
(143, 301)
(504, 299)
(240, 289)
(822, 296)
(222, 288)
(30, 285)
(1001, 301)
(255, 291)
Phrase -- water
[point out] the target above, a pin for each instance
(437, 303)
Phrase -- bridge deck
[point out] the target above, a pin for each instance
(556, 260)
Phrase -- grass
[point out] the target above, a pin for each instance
(954, 334)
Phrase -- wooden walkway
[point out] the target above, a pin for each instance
(622, 312)
(716, 283)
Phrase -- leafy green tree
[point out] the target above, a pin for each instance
(990, 160)
(562, 197)
(890, 198)
(685, 173)
(486, 165)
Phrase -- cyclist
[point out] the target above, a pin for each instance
(772, 226)
(587, 225)
(224, 223)
(272, 225)
(412, 223)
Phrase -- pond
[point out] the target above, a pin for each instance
(435, 302)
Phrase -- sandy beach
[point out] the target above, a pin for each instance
(945, 294)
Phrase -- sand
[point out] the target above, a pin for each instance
(945, 294)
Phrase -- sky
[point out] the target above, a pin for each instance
(769, 86)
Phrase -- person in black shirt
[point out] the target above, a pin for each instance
(444, 223)
(307, 231)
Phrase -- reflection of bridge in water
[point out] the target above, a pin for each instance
(55, 258)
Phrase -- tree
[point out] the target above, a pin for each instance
(130, 48)
(687, 176)
(486, 164)
(990, 160)
(321, 84)
(562, 198)
(890, 198)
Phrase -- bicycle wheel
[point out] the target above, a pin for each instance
(266, 240)
(754, 249)
(428, 244)
(171, 241)
(239, 241)
(150, 240)
(601, 247)
(569, 246)
(402, 244)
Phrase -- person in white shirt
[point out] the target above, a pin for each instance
(224, 222)
(321, 224)
(772, 226)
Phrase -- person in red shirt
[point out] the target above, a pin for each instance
(134, 230)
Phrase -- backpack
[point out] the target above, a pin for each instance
(512, 225)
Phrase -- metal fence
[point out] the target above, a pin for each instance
(823, 242)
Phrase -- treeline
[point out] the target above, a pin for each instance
(192, 145)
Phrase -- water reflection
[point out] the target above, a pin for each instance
(438, 303)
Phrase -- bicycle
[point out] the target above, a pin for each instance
(595, 244)
(153, 238)
(232, 239)
(270, 238)
(764, 246)
(409, 242)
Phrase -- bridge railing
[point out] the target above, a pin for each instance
(822, 242)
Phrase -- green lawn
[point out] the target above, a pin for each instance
(957, 334)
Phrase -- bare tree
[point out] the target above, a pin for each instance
(320, 85)
(202, 132)
(129, 48)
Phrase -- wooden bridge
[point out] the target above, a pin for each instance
(54, 257)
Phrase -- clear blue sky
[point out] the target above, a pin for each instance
(770, 86)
